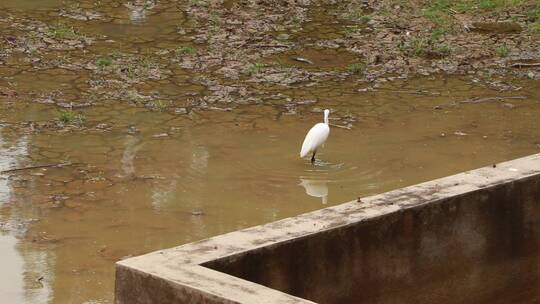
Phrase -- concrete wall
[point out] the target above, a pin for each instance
(469, 238)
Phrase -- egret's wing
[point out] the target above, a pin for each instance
(315, 137)
(307, 145)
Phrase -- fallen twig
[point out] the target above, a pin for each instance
(476, 100)
(271, 45)
(523, 64)
(489, 99)
(304, 60)
(342, 127)
(220, 109)
(423, 93)
(57, 165)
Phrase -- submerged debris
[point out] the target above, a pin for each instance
(300, 59)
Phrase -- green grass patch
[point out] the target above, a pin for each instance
(438, 12)
(443, 49)
(256, 68)
(533, 14)
(185, 50)
(63, 32)
(358, 16)
(419, 46)
(158, 105)
(426, 47)
(104, 62)
(69, 117)
(535, 27)
(463, 6)
(502, 50)
(357, 68)
(350, 29)
(438, 33)
(487, 4)
(498, 4)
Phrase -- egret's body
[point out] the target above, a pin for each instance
(316, 137)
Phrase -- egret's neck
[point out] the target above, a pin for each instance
(325, 118)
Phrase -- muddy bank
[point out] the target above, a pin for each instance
(216, 55)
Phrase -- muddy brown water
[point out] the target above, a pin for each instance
(137, 179)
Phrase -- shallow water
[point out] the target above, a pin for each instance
(128, 193)
(137, 179)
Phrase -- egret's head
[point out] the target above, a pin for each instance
(326, 113)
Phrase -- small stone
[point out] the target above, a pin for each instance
(459, 133)
(132, 130)
(283, 36)
(180, 111)
(160, 135)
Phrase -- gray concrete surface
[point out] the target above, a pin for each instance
(469, 238)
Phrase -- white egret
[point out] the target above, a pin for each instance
(316, 136)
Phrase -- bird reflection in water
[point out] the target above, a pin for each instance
(316, 188)
(137, 10)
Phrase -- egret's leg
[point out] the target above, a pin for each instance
(313, 157)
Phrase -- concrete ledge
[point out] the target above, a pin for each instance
(469, 238)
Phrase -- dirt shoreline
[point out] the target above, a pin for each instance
(222, 54)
